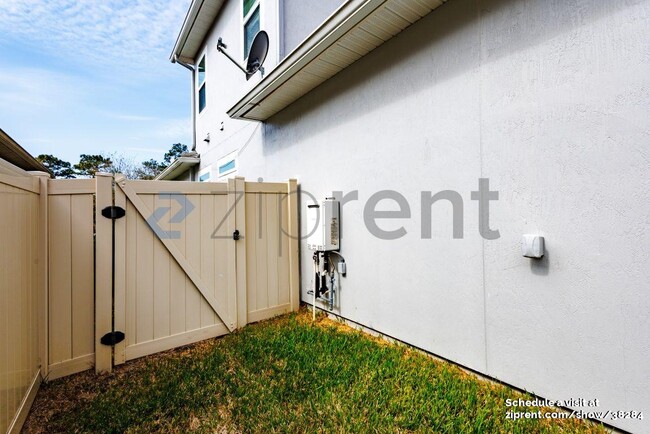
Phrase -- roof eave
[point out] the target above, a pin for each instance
(23, 159)
(188, 23)
(309, 48)
(188, 30)
(180, 165)
(345, 19)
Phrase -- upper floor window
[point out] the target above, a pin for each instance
(251, 23)
(201, 84)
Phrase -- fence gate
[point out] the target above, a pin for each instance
(174, 263)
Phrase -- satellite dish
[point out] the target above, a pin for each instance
(256, 55)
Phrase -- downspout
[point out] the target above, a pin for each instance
(191, 68)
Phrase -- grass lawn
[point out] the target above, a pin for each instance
(284, 375)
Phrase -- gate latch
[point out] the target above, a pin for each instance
(113, 212)
(235, 235)
(112, 338)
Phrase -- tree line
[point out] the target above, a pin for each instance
(89, 164)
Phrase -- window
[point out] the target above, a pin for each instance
(201, 84)
(204, 175)
(251, 23)
(227, 165)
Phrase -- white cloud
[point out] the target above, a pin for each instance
(174, 129)
(28, 89)
(136, 118)
(146, 150)
(114, 34)
(163, 132)
(99, 76)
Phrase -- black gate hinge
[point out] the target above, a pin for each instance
(112, 338)
(113, 212)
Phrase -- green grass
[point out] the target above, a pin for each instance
(285, 375)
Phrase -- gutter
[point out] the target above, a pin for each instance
(207, 10)
(13, 153)
(193, 93)
(186, 28)
(177, 166)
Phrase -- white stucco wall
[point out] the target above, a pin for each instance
(300, 18)
(550, 101)
(226, 84)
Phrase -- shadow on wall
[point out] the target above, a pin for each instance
(542, 266)
(455, 39)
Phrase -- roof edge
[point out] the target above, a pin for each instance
(32, 163)
(336, 25)
(186, 30)
(178, 163)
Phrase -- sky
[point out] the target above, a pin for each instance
(91, 76)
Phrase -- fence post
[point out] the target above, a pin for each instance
(119, 278)
(43, 273)
(239, 201)
(103, 271)
(294, 244)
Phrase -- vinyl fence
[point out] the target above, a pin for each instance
(96, 272)
(22, 272)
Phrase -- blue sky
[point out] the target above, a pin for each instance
(90, 76)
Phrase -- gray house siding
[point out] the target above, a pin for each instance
(549, 101)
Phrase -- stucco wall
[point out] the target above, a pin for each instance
(550, 101)
(300, 18)
(226, 84)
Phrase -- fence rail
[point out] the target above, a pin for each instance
(170, 272)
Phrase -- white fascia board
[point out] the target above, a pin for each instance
(180, 165)
(190, 31)
(338, 24)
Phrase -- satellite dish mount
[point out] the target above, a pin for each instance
(256, 55)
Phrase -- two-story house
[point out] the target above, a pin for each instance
(449, 130)
(218, 138)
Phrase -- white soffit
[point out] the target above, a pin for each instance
(196, 26)
(355, 29)
(177, 168)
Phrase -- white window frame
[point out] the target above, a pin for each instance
(205, 171)
(198, 85)
(232, 156)
(245, 20)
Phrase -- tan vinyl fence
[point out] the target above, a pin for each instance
(100, 271)
(71, 343)
(21, 259)
(180, 276)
